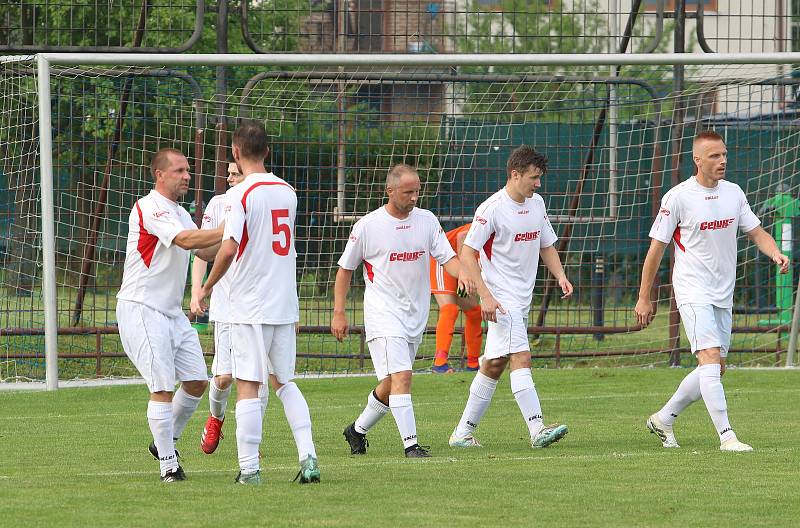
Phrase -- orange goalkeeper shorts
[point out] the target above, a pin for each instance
(441, 281)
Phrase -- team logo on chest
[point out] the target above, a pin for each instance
(716, 224)
(527, 236)
(405, 256)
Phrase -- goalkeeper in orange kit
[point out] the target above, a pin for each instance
(444, 289)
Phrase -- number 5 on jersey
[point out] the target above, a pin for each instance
(281, 228)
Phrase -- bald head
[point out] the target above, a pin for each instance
(397, 172)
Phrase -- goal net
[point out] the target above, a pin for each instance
(616, 141)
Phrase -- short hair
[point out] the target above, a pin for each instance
(397, 171)
(161, 160)
(523, 157)
(708, 134)
(251, 138)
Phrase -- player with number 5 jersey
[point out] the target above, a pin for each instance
(258, 252)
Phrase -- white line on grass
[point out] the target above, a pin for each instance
(436, 460)
(437, 403)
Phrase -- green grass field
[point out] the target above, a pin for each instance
(77, 457)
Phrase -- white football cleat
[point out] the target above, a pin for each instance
(663, 432)
(463, 441)
(735, 445)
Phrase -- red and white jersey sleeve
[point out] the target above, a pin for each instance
(396, 254)
(260, 216)
(155, 269)
(508, 236)
(213, 217)
(704, 223)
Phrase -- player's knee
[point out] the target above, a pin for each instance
(223, 381)
(473, 314)
(195, 388)
(494, 367)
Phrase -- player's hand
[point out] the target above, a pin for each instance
(721, 366)
(194, 304)
(339, 327)
(466, 286)
(644, 311)
(566, 287)
(783, 261)
(489, 308)
(202, 304)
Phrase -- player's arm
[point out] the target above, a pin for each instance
(222, 262)
(341, 287)
(199, 268)
(198, 238)
(469, 262)
(644, 306)
(549, 256)
(766, 244)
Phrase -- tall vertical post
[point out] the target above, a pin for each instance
(678, 115)
(795, 330)
(49, 292)
(613, 191)
(341, 150)
(221, 167)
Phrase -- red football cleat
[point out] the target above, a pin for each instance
(212, 433)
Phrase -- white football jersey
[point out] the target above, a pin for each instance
(260, 215)
(509, 235)
(212, 219)
(703, 223)
(396, 255)
(155, 269)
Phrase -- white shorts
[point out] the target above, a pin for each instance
(391, 354)
(261, 349)
(163, 349)
(508, 335)
(222, 350)
(707, 326)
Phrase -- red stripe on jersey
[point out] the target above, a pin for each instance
(147, 241)
(676, 236)
(487, 247)
(370, 273)
(259, 184)
(245, 238)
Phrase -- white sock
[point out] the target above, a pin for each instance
(403, 412)
(525, 393)
(296, 410)
(218, 399)
(159, 416)
(263, 396)
(480, 396)
(183, 406)
(248, 433)
(714, 398)
(372, 414)
(687, 393)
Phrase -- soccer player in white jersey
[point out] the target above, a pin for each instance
(510, 232)
(395, 243)
(154, 330)
(702, 216)
(220, 387)
(258, 246)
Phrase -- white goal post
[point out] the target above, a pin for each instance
(555, 66)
